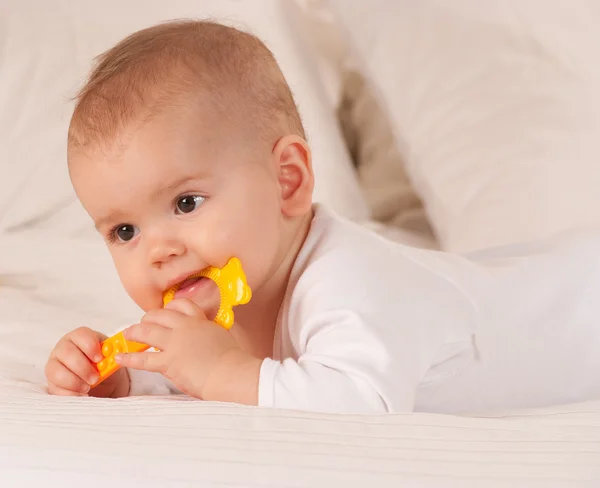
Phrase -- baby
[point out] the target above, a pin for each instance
(186, 149)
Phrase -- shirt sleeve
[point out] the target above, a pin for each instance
(312, 386)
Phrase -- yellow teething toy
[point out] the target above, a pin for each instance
(234, 290)
(232, 284)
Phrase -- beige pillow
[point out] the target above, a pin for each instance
(392, 199)
(387, 188)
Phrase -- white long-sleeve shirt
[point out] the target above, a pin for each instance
(364, 321)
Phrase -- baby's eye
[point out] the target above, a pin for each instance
(125, 233)
(188, 203)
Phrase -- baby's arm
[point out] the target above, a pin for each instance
(234, 379)
(345, 367)
(313, 386)
(351, 365)
(305, 385)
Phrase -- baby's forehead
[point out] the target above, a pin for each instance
(157, 136)
(157, 156)
(157, 67)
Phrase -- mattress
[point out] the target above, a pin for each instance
(160, 442)
(46, 290)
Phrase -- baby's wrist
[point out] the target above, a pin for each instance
(233, 379)
(123, 386)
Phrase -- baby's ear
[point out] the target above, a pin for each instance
(293, 161)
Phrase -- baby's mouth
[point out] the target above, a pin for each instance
(188, 283)
(189, 286)
(199, 289)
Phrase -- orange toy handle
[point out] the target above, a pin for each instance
(112, 346)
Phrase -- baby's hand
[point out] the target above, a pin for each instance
(70, 369)
(190, 346)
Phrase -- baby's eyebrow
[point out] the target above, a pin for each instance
(178, 183)
(110, 217)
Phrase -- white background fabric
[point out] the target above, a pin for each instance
(47, 50)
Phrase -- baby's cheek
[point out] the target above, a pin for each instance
(218, 245)
(260, 258)
(145, 296)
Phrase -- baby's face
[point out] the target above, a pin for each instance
(176, 197)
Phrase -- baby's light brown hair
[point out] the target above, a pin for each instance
(168, 64)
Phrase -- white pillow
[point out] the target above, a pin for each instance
(47, 50)
(495, 107)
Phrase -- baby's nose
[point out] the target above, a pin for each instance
(164, 250)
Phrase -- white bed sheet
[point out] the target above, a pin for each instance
(166, 442)
(48, 289)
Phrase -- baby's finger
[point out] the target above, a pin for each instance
(89, 342)
(163, 316)
(58, 374)
(77, 362)
(147, 361)
(154, 335)
(57, 390)
(186, 307)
